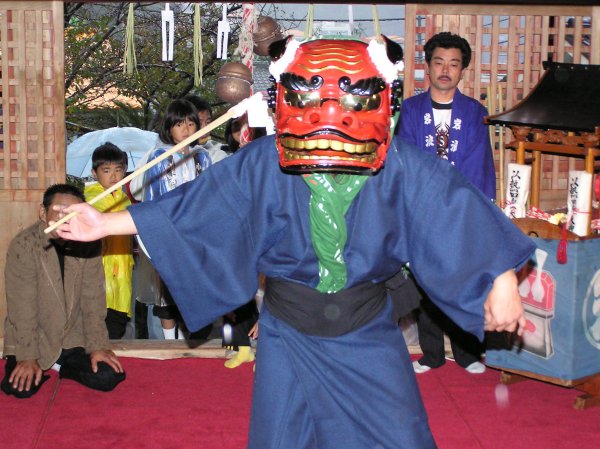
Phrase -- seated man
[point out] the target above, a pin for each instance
(56, 307)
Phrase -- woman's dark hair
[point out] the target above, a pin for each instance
(448, 40)
(231, 127)
(178, 111)
(109, 153)
(235, 125)
(60, 188)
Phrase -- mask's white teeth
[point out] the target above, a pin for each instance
(292, 143)
(336, 145)
(310, 144)
(293, 156)
(323, 144)
(349, 147)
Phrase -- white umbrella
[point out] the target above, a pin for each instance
(134, 141)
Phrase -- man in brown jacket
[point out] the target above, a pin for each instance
(56, 307)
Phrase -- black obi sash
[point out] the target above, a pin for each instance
(324, 314)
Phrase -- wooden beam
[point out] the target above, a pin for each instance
(502, 3)
(168, 349)
(595, 37)
(503, 10)
(175, 349)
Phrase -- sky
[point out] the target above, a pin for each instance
(391, 17)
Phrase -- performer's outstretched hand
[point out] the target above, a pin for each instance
(89, 224)
(503, 310)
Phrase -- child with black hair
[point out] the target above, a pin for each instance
(180, 121)
(205, 115)
(109, 165)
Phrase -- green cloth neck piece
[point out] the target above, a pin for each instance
(330, 198)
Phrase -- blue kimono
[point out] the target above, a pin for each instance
(211, 237)
(470, 150)
(172, 171)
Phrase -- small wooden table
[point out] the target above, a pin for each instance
(589, 385)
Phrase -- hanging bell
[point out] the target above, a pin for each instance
(234, 82)
(267, 32)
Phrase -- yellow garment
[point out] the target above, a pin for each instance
(117, 256)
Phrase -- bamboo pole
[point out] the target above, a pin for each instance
(501, 145)
(234, 112)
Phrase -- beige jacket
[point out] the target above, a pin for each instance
(42, 316)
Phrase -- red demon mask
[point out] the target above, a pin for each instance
(333, 106)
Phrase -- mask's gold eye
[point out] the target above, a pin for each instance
(302, 99)
(359, 103)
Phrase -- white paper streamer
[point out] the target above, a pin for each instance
(168, 33)
(223, 30)
(578, 202)
(350, 20)
(258, 115)
(258, 112)
(244, 106)
(517, 190)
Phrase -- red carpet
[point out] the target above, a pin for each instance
(197, 403)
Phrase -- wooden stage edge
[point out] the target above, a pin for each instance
(173, 349)
(212, 349)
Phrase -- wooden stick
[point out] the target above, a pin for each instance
(233, 112)
(501, 145)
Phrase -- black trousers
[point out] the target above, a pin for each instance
(431, 325)
(141, 320)
(244, 317)
(75, 365)
(116, 323)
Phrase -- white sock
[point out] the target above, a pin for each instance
(180, 335)
(169, 333)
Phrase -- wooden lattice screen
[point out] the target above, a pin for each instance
(509, 44)
(32, 92)
(32, 108)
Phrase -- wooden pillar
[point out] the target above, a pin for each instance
(32, 139)
(410, 15)
(590, 158)
(521, 153)
(536, 178)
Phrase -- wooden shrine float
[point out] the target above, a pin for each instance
(561, 342)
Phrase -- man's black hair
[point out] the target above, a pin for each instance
(446, 39)
(199, 103)
(108, 153)
(67, 189)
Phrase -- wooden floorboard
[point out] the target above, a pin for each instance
(172, 349)
(162, 349)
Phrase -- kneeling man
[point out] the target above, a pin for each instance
(56, 307)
